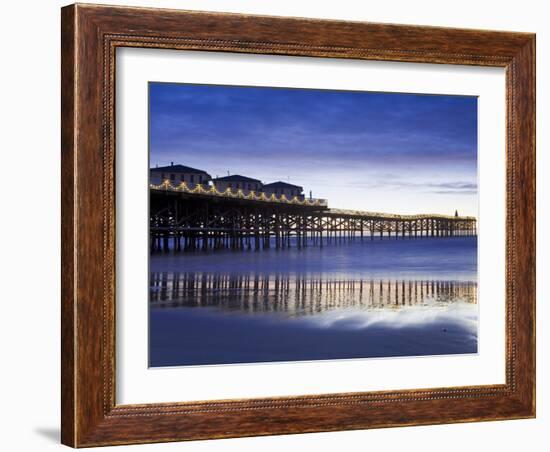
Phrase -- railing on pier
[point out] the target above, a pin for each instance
(394, 216)
(251, 195)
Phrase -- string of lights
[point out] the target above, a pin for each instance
(199, 189)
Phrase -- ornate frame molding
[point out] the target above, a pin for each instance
(90, 37)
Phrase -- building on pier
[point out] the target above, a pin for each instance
(283, 188)
(177, 174)
(237, 182)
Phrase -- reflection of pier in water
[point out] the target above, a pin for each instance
(301, 294)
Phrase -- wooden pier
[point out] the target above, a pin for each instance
(183, 219)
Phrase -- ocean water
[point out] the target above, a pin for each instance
(380, 298)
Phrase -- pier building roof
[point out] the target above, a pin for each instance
(236, 178)
(280, 184)
(179, 169)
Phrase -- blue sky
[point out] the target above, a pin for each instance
(390, 152)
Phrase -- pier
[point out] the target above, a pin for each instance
(201, 218)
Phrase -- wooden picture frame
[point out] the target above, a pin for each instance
(90, 36)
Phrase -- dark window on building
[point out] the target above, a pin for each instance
(230, 185)
(200, 179)
(182, 177)
(250, 186)
(192, 178)
(172, 177)
(162, 176)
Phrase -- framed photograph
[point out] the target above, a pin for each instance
(281, 225)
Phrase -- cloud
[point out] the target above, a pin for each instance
(392, 181)
(455, 186)
(334, 127)
(455, 192)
